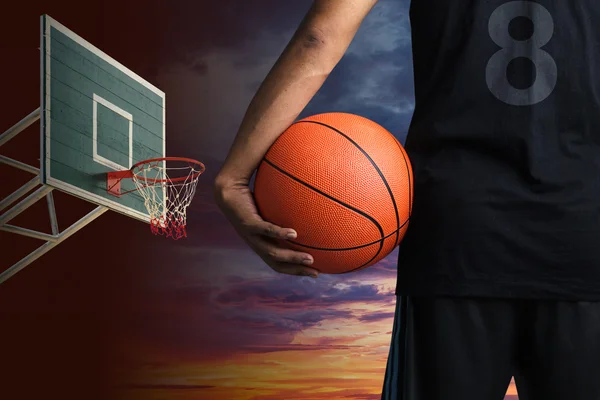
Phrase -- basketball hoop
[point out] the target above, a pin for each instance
(167, 185)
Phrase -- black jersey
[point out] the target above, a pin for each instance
(505, 146)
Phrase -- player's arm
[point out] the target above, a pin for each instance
(315, 49)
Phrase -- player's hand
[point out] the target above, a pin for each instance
(237, 203)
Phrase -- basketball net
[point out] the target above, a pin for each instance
(167, 198)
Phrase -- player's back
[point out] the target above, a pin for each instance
(505, 145)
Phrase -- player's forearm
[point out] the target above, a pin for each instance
(293, 81)
(316, 48)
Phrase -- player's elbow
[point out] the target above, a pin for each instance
(313, 38)
(320, 48)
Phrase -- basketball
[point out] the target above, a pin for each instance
(344, 183)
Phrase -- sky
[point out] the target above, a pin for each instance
(116, 310)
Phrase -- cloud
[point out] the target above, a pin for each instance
(377, 316)
(287, 307)
(285, 294)
(195, 318)
(385, 30)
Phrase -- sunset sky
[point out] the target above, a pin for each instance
(201, 318)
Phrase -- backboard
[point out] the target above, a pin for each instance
(97, 116)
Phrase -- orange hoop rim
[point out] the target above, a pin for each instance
(196, 174)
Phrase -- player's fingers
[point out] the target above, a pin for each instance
(294, 269)
(281, 259)
(286, 256)
(267, 229)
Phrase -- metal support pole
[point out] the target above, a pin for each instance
(20, 192)
(56, 237)
(52, 212)
(29, 233)
(19, 165)
(46, 247)
(20, 126)
(24, 204)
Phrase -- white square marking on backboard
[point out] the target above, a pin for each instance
(98, 158)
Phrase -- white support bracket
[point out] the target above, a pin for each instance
(20, 192)
(24, 204)
(52, 240)
(19, 126)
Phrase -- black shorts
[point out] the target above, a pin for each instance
(468, 349)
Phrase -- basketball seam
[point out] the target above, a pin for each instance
(373, 220)
(385, 182)
(352, 248)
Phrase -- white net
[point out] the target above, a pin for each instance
(167, 190)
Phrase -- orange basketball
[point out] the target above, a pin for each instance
(344, 183)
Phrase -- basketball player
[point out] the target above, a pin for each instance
(499, 273)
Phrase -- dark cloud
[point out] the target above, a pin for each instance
(378, 316)
(206, 321)
(285, 294)
(384, 269)
(286, 325)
